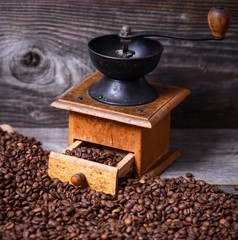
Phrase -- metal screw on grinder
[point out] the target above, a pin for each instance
(125, 52)
(125, 31)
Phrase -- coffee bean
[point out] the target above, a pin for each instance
(8, 176)
(35, 185)
(189, 175)
(127, 221)
(182, 206)
(9, 225)
(236, 187)
(36, 210)
(201, 182)
(169, 209)
(224, 222)
(18, 178)
(128, 229)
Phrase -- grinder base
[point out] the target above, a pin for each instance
(141, 131)
(123, 93)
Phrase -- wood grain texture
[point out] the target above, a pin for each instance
(73, 145)
(104, 132)
(210, 154)
(8, 128)
(126, 165)
(43, 53)
(155, 143)
(163, 162)
(99, 177)
(107, 133)
(148, 144)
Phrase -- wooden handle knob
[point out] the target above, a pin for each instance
(78, 179)
(219, 20)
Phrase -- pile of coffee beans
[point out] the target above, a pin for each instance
(33, 206)
(96, 155)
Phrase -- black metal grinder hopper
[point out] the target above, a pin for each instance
(125, 59)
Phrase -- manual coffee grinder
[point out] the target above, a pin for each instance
(118, 109)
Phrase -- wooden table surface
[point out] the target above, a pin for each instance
(210, 154)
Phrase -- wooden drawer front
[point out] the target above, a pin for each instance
(99, 177)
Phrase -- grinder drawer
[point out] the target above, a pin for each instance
(97, 176)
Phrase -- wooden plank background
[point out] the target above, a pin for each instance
(43, 53)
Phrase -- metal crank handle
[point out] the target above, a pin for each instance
(218, 20)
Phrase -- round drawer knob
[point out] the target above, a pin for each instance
(78, 179)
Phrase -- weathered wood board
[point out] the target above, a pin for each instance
(210, 154)
(43, 53)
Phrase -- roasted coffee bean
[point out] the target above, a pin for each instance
(128, 221)
(33, 206)
(169, 209)
(96, 155)
(236, 187)
(189, 175)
